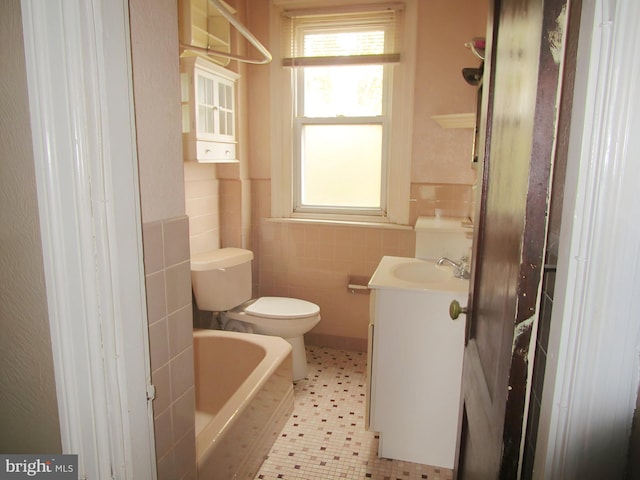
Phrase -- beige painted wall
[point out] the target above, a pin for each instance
(443, 156)
(154, 45)
(29, 413)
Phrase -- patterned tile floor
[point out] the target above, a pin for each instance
(326, 438)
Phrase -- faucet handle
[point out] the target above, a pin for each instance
(464, 270)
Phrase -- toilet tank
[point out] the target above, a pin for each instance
(221, 279)
(438, 237)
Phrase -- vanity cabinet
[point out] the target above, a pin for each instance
(415, 371)
(208, 111)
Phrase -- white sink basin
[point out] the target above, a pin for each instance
(413, 274)
(421, 272)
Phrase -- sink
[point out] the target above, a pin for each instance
(408, 273)
(421, 272)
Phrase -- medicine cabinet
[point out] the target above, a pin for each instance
(208, 111)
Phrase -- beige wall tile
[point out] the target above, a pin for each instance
(156, 300)
(170, 342)
(178, 278)
(202, 205)
(203, 223)
(158, 344)
(166, 466)
(206, 187)
(182, 376)
(185, 452)
(153, 247)
(209, 240)
(180, 325)
(163, 433)
(162, 382)
(182, 411)
(176, 240)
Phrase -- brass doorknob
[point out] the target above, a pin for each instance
(455, 310)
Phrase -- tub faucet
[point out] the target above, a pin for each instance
(460, 269)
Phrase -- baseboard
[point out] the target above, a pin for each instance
(334, 341)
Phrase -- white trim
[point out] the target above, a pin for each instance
(400, 135)
(80, 96)
(592, 372)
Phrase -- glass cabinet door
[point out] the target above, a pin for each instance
(225, 108)
(206, 105)
(215, 107)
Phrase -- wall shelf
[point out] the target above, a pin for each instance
(203, 25)
(456, 120)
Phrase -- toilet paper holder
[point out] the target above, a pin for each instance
(358, 284)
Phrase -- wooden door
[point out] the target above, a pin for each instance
(522, 75)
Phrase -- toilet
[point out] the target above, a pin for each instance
(221, 281)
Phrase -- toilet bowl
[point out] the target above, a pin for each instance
(221, 281)
(289, 318)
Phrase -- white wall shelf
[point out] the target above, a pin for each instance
(203, 25)
(456, 120)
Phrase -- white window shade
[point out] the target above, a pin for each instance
(316, 37)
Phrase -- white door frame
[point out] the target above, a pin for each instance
(81, 103)
(592, 371)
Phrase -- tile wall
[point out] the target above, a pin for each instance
(448, 200)
(235, 206)
(202, 190)
(168, 285)
(316, 262)
(310, 261)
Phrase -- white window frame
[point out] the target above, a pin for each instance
(300, 121)
(399, 135)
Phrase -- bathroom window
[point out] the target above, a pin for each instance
(341, 71)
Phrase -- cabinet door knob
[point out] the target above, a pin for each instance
(455, 310)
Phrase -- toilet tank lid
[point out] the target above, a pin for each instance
(220, 258)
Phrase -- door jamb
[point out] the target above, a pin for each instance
(591, 377)
(81, 105)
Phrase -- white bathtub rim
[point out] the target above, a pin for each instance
(212, 432)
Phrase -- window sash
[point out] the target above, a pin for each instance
(299, 206)
(296, 24)
(300, 120)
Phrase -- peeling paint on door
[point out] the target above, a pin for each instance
(556, 36)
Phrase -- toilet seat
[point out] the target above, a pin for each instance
(282, 308)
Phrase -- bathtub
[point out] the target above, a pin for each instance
(244, 396)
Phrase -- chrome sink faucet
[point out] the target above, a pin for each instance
(460, 269)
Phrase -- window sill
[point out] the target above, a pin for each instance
(340, 223)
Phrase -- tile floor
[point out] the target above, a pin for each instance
(325, 438)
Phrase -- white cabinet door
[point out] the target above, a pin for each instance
(215, 107)
(209, 111)
(416, 374)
